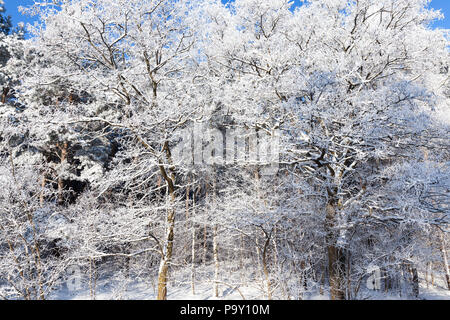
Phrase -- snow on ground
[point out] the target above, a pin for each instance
(436, 292)
(120, 289)
(142, 291)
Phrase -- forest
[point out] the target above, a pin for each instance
(195, 149)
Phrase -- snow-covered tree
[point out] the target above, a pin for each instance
(307, 144)
(140, 62)
(354, 90)
(5, 21)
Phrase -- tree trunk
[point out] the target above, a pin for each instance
(92, 278)
(205, 248)
(349, 281)
(41, 196)
(336, 257)
(167, 250)
(193, 247)
(63, 158)
(258, 258)
(322, 282)
(415, 282)
(241, 259)
(445, 259)
(431, 270)
(216, 263)
(387, 279)
(4, 94)
(266, 269)
(166, 257)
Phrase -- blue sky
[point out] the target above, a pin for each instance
(11, 8)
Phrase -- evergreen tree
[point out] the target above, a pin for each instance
(5, 20)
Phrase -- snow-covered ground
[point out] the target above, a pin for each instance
(112, 289)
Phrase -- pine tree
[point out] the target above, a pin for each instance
(5, 20)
